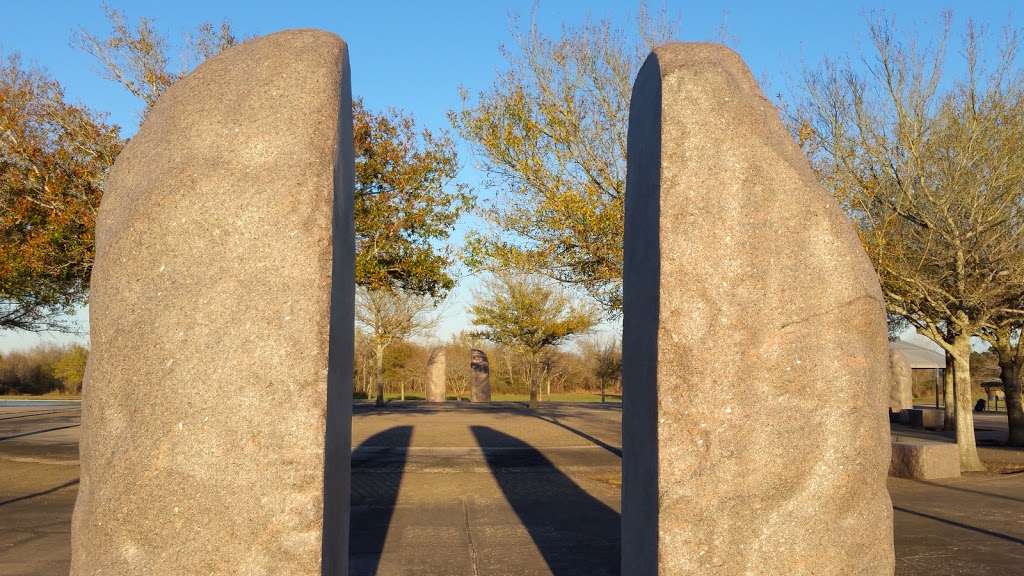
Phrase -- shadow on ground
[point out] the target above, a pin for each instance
(382, 456)
(575, 532)
(496, 504)
(496, 491)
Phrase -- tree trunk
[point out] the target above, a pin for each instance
(547, 381)
(508, 365)
(368, 375)
(602, 390)
(949, 394)
(969, 460)
(402, 392)
(534, 384)
(1009, 373)
(379, 364)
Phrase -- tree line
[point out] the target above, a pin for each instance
(923, 157)
(44, 369)
(591, 366)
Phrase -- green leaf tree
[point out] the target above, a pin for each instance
(70, 368)
(531, 314)
(405, 203)
(551, 133)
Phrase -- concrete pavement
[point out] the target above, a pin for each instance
(38, 484)
(482, 491)
(492, 490)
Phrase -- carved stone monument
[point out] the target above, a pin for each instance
(746, 294)
(436, 375)
(216, 414)
(901, 392)
(480, 386)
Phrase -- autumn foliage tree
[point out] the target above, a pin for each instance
(138, 57)
(53, 157)
(406, 201)
(551, 133)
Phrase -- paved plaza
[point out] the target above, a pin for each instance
(495, 490)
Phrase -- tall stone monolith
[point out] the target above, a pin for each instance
(216, 416)
(747, 296)
(436, 375)
(901, 392)
(480, 386)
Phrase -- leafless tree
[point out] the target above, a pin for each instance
(389, 316)
(932, 172)
(1005, 336)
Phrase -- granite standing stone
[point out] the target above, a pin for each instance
(901, 392)
(747, 297)
(216, 414)
(480, 387)
(436, 375)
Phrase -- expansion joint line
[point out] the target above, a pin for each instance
(469, 538)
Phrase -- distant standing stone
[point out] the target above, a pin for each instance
(747, 296)
(901, 392)
(216, 414)
(436, 375)
(480, 389)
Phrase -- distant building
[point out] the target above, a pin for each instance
(920, 357)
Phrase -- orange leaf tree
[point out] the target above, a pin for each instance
(405, 199)
(53, 156)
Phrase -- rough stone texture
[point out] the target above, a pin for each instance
(901, 391)
(924, 418)
(215, 420)
(480, 387)
(924, 459)
(747, 295)
(436, 376)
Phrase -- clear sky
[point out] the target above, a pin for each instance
(416, 55)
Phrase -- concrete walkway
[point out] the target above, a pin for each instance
(38, 484)
(493, 491)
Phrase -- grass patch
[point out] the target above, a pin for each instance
(559, 397)
(590, 397)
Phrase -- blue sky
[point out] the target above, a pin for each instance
(416, 55)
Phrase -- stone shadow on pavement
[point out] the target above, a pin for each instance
(40, 493)
(589, 438)
(968, 490)
(574, 532)
(35, 432)
(383, 455)
(985, 531)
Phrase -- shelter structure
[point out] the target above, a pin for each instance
(927, 365)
